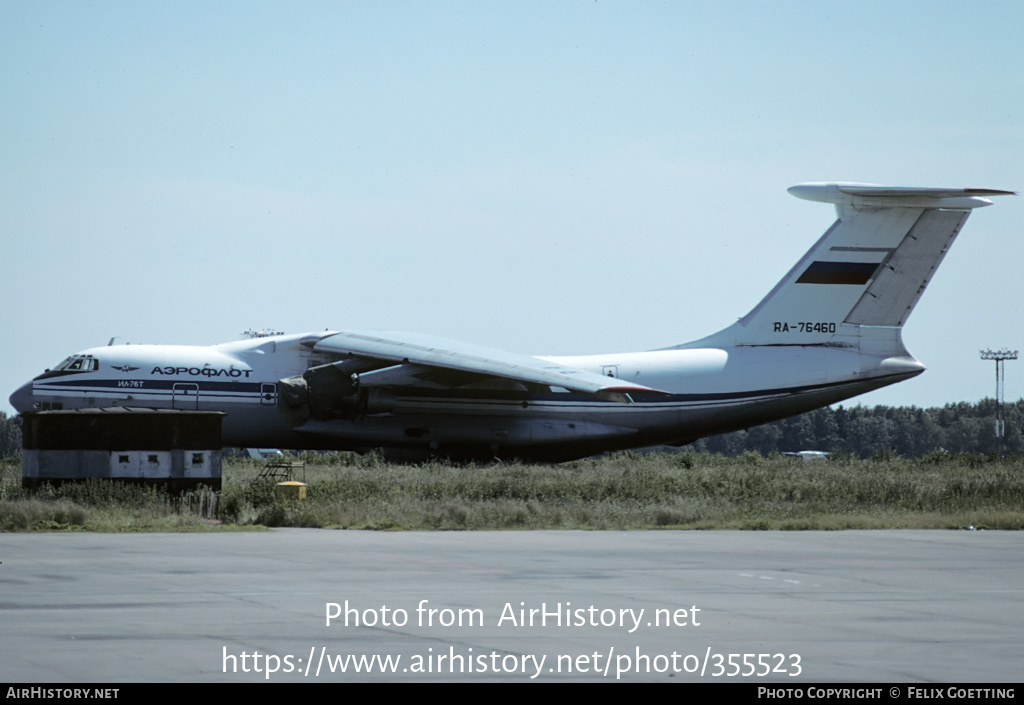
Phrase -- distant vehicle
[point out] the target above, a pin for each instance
(264, 453)
(828, 331)
(809, 454)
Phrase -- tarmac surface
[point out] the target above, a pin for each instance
(779, 608)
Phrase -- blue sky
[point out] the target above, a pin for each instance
(543, 177)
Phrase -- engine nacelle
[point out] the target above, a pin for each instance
(329, 392)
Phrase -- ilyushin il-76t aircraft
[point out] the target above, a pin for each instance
(829, 330)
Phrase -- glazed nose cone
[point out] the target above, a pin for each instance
(22, 398)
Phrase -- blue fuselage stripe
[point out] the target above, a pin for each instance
(256, 390)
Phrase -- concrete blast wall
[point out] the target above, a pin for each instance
(177, 449)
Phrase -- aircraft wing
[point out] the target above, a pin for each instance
(419, 352)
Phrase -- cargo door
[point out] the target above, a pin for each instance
(185, 395)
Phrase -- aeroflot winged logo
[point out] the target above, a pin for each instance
(124, 368)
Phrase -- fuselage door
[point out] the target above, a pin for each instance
(268, 394)
(185, 395)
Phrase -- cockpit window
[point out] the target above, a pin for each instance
(73, 365)
(78, 363)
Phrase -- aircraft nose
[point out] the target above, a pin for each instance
(22, 398)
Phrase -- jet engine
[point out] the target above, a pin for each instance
(329, 392)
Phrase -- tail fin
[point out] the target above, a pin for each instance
(868, 269)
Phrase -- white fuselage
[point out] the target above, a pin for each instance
(702, 391)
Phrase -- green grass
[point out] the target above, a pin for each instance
(620, 491)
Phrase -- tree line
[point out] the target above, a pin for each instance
(10, 435)
(859, 430)
(910, 432)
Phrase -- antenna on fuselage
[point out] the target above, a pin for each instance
(263, 333)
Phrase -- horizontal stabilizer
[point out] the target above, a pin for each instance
(872, 196)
